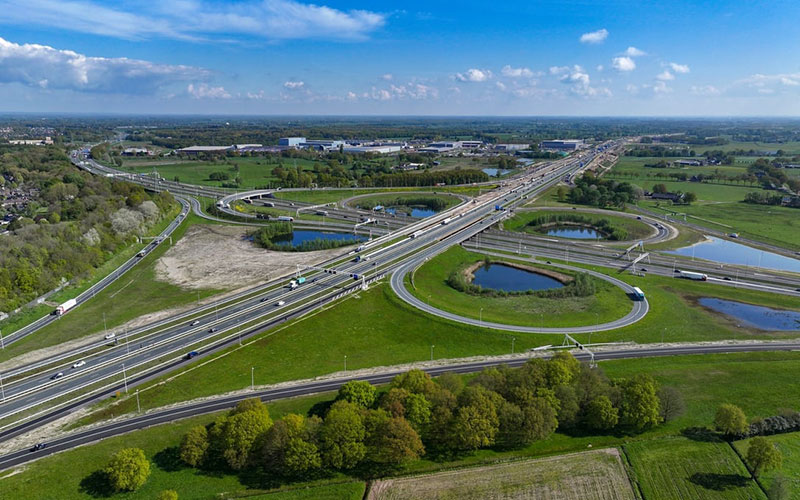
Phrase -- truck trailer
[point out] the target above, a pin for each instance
(66, 306)
(692, 276)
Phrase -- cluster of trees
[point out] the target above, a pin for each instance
(772, 176)
(591, 190)
(768, 198)
(719, 157)
(762, 455)
(278, 236)
(362, 429)
(432, 178)
(659, 151)
(687, 198)
(603, 226)
(75, 222)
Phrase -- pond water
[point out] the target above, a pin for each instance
(300, 236)
(760, 317)
(419, 212)
(511, 279)
(575, 232)
(492, 172)
(728, 252)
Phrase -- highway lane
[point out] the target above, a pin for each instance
(313, 387)
(105, 281)
(469, 215)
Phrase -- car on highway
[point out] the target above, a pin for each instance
(264, 299)
(110, 336)
(212, 329)
(78, 364)
(644, 269)
(56, 376)
(191, 354)
(195, 322)
(280, 303)
(727, 278)
(638, 217)
(39, 446)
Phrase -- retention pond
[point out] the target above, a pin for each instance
(511, 279)
(728, 252)
(763, 318)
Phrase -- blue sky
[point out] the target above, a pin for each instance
(611, 57)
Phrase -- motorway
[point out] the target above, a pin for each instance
(312, 387)
(168, 345)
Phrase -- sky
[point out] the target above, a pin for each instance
(284, 57)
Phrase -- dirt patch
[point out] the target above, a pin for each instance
(590, 475)
(563, 278)
(218, 257)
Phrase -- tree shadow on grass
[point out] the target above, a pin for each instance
(169, 459)
(719, 482)
(702, 434)
(97, 485)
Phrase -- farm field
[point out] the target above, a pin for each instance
(591, 475)
(677, 467)
(789, 446)
(430, 285)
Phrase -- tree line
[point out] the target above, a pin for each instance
(594, 191)
(367, 432)
(603, 226)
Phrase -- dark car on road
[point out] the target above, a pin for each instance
(191, 354)
(39, 446)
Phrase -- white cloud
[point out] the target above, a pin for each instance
(634, 52)
(387, 76)
(679, 68)
(705, 90)
(294, 85)
(501, 86)
(623, 63)
(204, 91)
(790, 81)
(47, 67)
(256, 96)
(659, 88)
(474, 75)
(770, 84)
(516, 72)
(351, 96)
(665, 76)
(195, 19)
(558, 70)
(411, 90)
(580, 83)
(595, 36)
(600, 67)
(632, 88)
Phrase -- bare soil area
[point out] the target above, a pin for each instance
(221, 257)
(591, 475)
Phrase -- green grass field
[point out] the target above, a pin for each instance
(635, 229)
(789, 446)
(677, 467)
(430, 285)
(592, 475)
(704, 381)
(254, 171)
(134, 294)
(335, 195)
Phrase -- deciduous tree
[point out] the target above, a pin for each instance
(128, 469)
(763, 456)
(730, 420)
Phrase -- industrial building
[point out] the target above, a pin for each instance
(440, 147)
(291, 141)
(195, 150)
(563, 145)
(510, 147)
(379, 149)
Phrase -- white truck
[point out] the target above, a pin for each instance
(693, 276)
(293, 284)
(416, 234)
(285, 218)
(66, 306)
(446, 221)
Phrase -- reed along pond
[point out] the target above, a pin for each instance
(511, 279)
(301, 236)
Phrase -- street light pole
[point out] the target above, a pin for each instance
(124, 378)
(513, 340)
(2, 390)
(481, 317)
(138, 406)
(252, 378)
(345, 363)
(432, 346)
